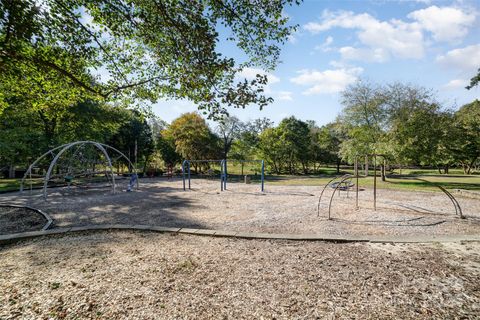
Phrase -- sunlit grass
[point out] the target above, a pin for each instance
(405, 181)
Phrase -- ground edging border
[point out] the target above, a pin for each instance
(44, 214)
(10, 238)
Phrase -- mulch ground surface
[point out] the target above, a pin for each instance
(145, 275)
(15, 220)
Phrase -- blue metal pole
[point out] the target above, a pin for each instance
(183, 173)
(225, 174)
(221, 175)
(188, 175)
(263, 174)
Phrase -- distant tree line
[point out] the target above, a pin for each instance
(28, 130)
(403, 122)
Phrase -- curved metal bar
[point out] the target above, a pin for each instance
(132, 167)
(29, 170)
(52, 164)
(323, 190)
(456, 205)
(346, 177)
(458, 209)
(100, 146)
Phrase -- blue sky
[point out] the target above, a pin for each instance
(434, 44)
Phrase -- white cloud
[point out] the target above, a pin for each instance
(285, 95)
(445, 23)
(466, 59)
(456, 84)
(395, 37)
(325, 46)
(328, 81)
(251, 73)
(292, 39)
(364, 54)
(382, 40)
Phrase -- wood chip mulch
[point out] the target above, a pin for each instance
(145, 275)
(15, 220)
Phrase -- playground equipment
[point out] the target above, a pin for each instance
(80, 160)
(341, 182)
(186, 172)
(344, 183)
(357, 175)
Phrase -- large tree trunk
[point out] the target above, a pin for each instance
(145, 166)
(11, 171)
(338, 166)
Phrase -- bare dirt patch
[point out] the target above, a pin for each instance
(15, 220)
(280, 209)
(147, 275)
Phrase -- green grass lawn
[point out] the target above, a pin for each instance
(393, 182)
(9, 184)
(406, 181)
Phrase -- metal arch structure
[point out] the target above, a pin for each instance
(342, 180)
(456, 205)
(323, 190)
(60, 150)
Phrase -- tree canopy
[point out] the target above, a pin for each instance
(146, 49)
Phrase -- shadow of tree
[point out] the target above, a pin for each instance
(150, 205)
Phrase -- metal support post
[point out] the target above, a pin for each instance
(375, 182)
(188, 165)
(356, 184)
(183, 173)
(263, 175)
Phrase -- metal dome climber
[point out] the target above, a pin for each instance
(80, 160)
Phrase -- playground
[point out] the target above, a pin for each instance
(243, 207)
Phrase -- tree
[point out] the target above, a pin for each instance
(246, 145)
(193, 138)
(326, 144)
(419, 136)
(31, 127)
(229, 129)
(134, 138)
(295, 137)
(467, 120)
(363, 118)
(166, 147)
(149, 49)
(474, 81)
(259, 125)
(271, 149)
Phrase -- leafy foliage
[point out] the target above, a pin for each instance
(193, 138)
(149, 49)
(474, 81)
